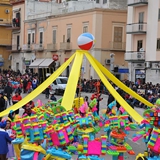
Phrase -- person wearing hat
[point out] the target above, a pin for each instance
(4, 140)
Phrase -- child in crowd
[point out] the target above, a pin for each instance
(8, 129)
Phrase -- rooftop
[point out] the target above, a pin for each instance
(55, 9)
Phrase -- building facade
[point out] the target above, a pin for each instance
(57, 35)
(17, 28)
(5, 34)
(52, 28)
(143, 40)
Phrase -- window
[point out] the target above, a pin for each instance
(63, 38)
(139, 45)
(104, 1)
(41, 38)
(158, 44)
(141, 20)
(118, 34)
(117, 39)
(85, 29)
(54, 36)
(33, 37)
(97, 1)
(29, 38)
(68, 35)
(159, 14)
(141, 17)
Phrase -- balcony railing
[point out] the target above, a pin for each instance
(137, 2)
(65, 46)
(27, 47)
(5, 42)
(117, 45)
(7, 22)
(135, 56)
(137, 28)
(52, 47)
(16, 1)
(38, 47)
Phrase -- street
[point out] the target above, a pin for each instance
(138, 147)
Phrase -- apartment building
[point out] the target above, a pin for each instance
(143, 40)
(17, 29)
(5, 34)
(57, 33)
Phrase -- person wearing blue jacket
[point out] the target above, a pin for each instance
(4, 140)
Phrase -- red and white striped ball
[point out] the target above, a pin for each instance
(86, 41)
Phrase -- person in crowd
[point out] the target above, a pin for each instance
(86, 99)
(53, 98)
(2, 103)
(34, 83)
(15, 99)
(8, 129)
(78, 89)
(47, 92)
(4, 140)
(8, 92)
(28, 108)
(11, 115)
(29, 86)
(25, 85)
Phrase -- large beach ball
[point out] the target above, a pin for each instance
(86, 41)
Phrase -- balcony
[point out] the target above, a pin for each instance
(52, 47)
(5, 22)
(137, 2)
(38, 47)
(27, 47)
(135, 56)
(14, 48)
(15, 24)
(117, 46)
(5, 42)
(137, 28)
(16, 1)
(65, 46)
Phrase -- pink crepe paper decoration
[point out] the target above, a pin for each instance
(94, 148)
(84, 107)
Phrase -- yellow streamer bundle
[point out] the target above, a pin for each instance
(121, 101)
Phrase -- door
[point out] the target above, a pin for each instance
(141, 21)
(139, 45)
(118, 35)
(18, 19)
(18, 39)
(17, 66)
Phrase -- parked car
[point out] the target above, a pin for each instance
(59, 85)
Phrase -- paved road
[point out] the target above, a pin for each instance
(138, 147)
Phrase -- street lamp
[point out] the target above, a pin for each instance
(112, 62)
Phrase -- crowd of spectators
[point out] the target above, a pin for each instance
(12, 84)
(147, 90)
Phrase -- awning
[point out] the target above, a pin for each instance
(36, 63)
(46, 63)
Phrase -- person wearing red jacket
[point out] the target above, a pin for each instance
(15, 99)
